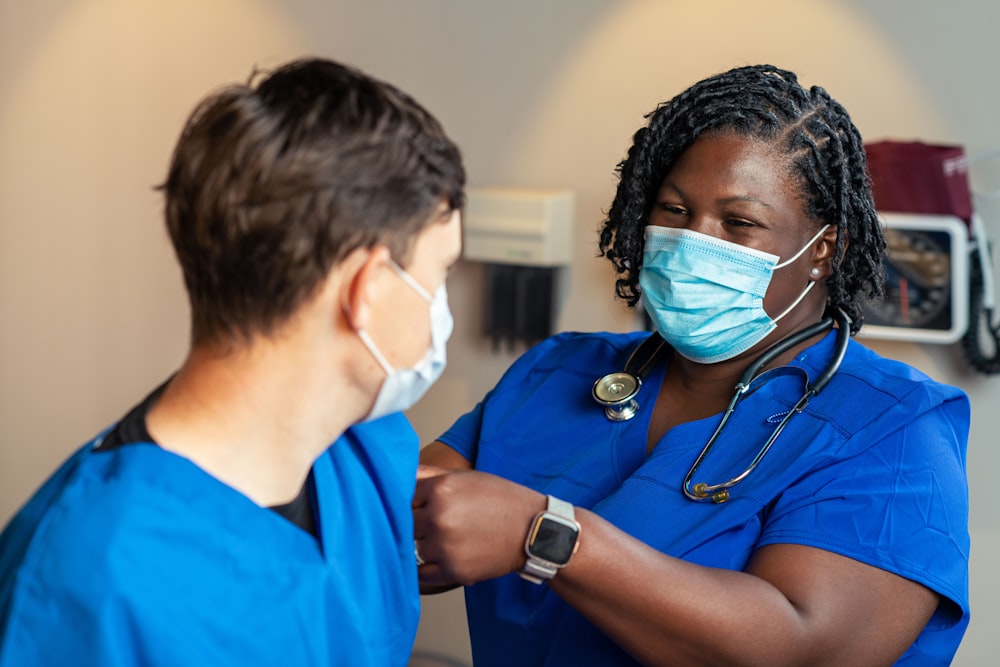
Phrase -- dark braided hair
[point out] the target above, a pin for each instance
(824, 148)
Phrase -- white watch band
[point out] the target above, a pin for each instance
(536, 572)
(535, 569)
(561, 508)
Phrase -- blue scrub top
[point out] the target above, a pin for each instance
(136, 556)
(873, 469)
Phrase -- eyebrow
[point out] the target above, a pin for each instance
(745, 198)
(724, 200)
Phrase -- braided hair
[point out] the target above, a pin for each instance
(825, 150)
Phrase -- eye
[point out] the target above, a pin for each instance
(671, 209)
(666, 214)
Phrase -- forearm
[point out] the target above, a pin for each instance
(662, 610)
(665, 611)
(792, 604)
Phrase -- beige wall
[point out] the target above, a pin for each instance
(539, 93)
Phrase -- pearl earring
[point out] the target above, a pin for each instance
(815, 272)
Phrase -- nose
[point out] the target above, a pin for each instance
(703, 224)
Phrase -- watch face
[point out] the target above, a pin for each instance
(553, 539)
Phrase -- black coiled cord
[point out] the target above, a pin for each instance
(980, 323)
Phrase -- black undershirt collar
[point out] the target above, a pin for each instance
(132, 429)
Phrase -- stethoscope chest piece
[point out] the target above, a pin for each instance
(617, 392)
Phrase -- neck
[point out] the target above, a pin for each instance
(706, 389)
(255, 417)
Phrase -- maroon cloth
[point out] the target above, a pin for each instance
(914, 177)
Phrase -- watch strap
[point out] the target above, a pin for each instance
(535, 569)
(561, 508)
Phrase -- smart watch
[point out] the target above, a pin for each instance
(552, 539)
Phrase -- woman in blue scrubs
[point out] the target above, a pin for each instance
(743, 216)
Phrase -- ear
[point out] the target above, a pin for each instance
(823, 251)
(362, 268)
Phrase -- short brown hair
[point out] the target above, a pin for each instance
(273, 183)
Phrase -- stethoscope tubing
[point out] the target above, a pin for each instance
(719, 493)
(624, 407)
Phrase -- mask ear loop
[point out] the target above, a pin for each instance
(367, 340)
(379, 357)
(802, 249)
(797, 301)
(814, 272)
(411, 281)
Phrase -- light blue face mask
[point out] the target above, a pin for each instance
(705, 295)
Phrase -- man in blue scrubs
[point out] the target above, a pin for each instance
(314, 212)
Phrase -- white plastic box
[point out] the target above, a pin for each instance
(516, 226)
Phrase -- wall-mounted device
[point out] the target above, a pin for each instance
(525, 227)
(927, 280)
(524, 237)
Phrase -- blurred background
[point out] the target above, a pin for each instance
(538, 93)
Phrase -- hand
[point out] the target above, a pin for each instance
(470, 526)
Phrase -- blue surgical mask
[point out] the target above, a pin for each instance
(705, 295)
(403, 387)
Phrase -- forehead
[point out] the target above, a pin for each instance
(741, 163)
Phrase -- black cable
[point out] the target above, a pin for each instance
(980, 323)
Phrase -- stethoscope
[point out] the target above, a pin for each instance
(617, 393)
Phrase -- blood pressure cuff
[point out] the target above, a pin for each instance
(915, 177)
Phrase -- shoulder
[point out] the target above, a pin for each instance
(47, 516)
(884, 481)
(866, 366)
(101, 506)
(870, 388)
(394, 426)
(87, 499)
(382, 453)
(575, 352)
(66, 548)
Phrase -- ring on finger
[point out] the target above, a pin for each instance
(416, 553)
